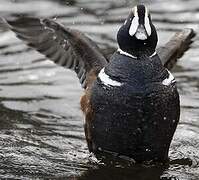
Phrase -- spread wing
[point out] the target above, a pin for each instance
(72, 49)
(66, 47)
(175, 47)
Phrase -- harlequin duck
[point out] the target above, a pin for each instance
(134, 99)
(131, 103)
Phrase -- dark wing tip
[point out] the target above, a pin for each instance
(186, 36)
(176, 47)
(22, 21)
(189, 32)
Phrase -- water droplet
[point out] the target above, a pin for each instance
(145, 127)
(139, 130)
(55, 18)
(99, 148)
(147, 150)
(143, 120)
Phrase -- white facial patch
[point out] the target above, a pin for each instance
(169, 80)
(141, 32)
(134, 23)
(146, 22)
(106, 80)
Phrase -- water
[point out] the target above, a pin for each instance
(41, 125)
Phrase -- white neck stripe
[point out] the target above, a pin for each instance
(129, 55)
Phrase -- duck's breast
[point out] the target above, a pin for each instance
(134, 111)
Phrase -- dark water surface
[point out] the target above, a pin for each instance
(41, 125)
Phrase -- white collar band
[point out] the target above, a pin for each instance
(126, 54)
(134, 57)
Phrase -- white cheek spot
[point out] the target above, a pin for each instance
(134, 23)
(106, 80)
(169, 80)
(147, 23)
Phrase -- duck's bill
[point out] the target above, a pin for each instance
(141, 33)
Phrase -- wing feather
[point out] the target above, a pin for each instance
(175, 47)
(66, 47)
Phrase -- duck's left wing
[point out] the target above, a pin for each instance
(175, 47)
(66, 47)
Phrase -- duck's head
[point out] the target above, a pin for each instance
(138, 36)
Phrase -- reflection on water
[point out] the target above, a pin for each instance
(41, 125)
(136, 172)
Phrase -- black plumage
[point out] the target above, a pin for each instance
(138, 118)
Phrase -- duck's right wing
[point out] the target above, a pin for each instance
(175, 47)
(66, 47)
